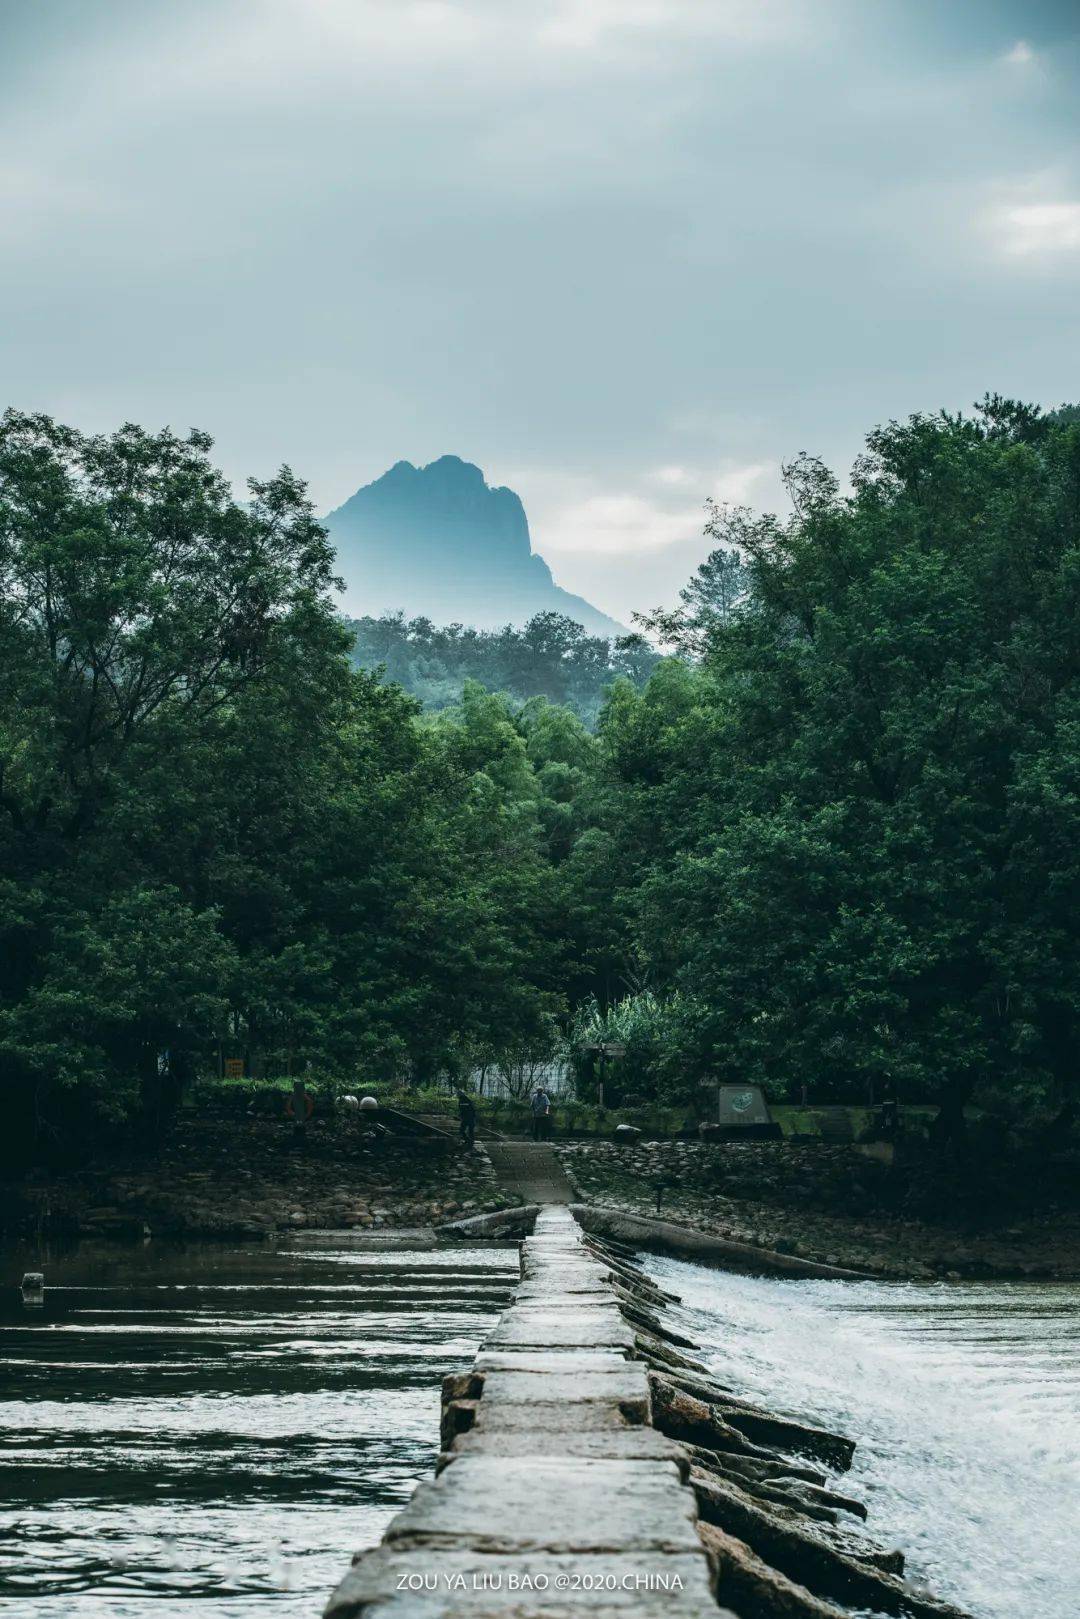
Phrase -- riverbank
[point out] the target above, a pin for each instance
(829, 1204)
(248, 1177)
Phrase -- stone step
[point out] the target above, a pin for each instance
(626, 1384)
(536, 1262)
(497, 1504)
(571, 1294)
(461, 1585)
(612, 1442)
(539, 1327)
(554, 1498)
(549, 1360)
(551, 1416)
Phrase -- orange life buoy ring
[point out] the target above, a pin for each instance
(309, 1107)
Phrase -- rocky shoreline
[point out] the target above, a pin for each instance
(245, 1179)
(823, 1203)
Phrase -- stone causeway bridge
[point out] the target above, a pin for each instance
(591, 1466)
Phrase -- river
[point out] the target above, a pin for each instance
(217, 1429)
(965, 1402)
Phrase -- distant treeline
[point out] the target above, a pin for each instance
(552, 657)
(831, 841)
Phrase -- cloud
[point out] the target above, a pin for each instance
(633, 549)
(615, 525)
(621, 253)
(1037, 230)
(735, 486)
(628, 523)
(29, 191)
(294, 54)
(584, 23)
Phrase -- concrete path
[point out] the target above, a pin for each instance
(555, 1498)
(532, 1168)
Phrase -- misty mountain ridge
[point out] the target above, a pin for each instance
(439, 542)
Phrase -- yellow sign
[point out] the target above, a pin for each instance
(234, 1067)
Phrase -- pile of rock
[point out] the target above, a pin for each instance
(830, 1178)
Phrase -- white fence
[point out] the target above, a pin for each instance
(518, 1080)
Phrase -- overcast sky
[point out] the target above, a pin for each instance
(623, 254)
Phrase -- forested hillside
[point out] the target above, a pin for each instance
(832, 841)
(552, 657)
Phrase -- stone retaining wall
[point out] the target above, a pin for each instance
(828, 1204)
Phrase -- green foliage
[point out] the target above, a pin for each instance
(650, 1029)
(854, 826)
(218, 838)
(715, 593)
(833, 843)
(552, 657)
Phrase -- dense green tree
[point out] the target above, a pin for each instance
(551, 657)
(856, 821)
(832, 841)
(716, 591)
(215, 835)
(140, 606)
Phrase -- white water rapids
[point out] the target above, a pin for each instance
(964, 1400)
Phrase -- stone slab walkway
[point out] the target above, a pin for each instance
(556, 1498)
(531, 1168)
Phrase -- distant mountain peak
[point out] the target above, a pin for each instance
(441, 542)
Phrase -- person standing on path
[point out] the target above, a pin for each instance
(466, 1117)
(541, 1113)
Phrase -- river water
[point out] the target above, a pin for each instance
(216, 1430)
(212, 1429)
(965, 1402)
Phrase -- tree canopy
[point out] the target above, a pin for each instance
(831, 842)
(216, 836)
(551, 656)
(852, 827)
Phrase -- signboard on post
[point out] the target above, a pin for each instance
(740, 1110)
(234, 1067)
(741, 1105)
